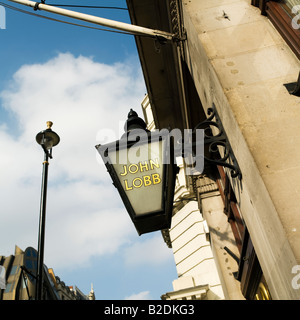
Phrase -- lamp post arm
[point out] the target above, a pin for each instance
(136, 30)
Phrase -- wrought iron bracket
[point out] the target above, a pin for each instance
(219, 148)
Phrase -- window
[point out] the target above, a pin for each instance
(285, 16)
(14, 270)
(231, 208)
(253, 284)
(9, 287)
(290, 3)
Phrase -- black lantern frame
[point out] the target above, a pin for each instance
(138, 137)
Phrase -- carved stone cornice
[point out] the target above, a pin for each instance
(176, 20)
(206, 187)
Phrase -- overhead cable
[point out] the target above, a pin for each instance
(58, 20)
(82, 6)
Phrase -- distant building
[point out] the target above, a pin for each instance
(91, 295)
(18, 274)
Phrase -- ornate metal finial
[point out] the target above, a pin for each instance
(134, 122)
(132, 114)
(49, 124)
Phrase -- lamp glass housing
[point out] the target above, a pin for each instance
(143, 171)
(141, 175)
(47, 138)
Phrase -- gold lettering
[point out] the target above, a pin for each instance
(156, 178)
(126, 185)
(144, 166)
(137, 185)
(144, 181)
(154, 163)
(147, 181)
(125, 171)
(135, 170)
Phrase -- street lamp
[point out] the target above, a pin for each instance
(142, 167)
(47, 139)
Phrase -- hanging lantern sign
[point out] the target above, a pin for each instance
(141, 165)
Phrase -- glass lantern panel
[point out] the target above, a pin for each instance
(140, 172)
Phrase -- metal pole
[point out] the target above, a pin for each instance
(137, 30)
(41, 239)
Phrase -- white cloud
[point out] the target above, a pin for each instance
(152, 251)
(85, 216)
(144, 295)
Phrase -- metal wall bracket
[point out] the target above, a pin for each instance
(294, 87)
(219, 148)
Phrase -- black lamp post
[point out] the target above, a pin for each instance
(141, 165)
(47, 139)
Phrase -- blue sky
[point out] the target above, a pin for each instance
(85, 81)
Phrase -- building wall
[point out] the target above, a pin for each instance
(239, 62)
(198, 277)
(221, 236)
(192, 252)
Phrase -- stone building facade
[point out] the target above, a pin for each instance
(235, 63)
